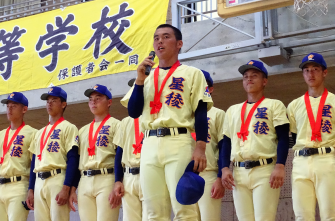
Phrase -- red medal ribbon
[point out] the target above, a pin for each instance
(194, 136)
(315, 125)
(138, 138)
(6, 147)
(42, 144)
(243, 134)
(156, 104)
(91, 139)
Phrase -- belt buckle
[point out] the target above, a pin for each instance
(160, 132)
(307, 152)
(247, 165)
(89, 173)
(41, 175)
(135, 171)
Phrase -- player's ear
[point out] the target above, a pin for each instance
(24, 109)
(180, 44)
(265, 81)
(109, 103)
(325, 72)
(64, 104)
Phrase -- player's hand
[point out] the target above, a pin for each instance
(277, 176)
(116, 195)
(227, 178)
(199, 157)
(73, 199)
(217, 191)
(30, 199)
(141, 70)
(63, 196)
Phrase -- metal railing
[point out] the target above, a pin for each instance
(22, 8)
(207, 7)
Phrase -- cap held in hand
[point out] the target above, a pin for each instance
(190, 187)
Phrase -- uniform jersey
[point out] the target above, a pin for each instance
(17, 160)
(125, 138)
(180, 97)
(104, 147)
(262, 139)
(215, 119)
(299, 122)
(54, 154)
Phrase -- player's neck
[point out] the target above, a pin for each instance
(168, 62)
(54, 119)
(254, 97)
(16, 123)
(316, 91)
(100, 117)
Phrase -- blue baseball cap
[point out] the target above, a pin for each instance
(16, 97)
(208, 78)
(313, 58)
(253, 64)
(54, 91)
(100, 89)
(190, 187)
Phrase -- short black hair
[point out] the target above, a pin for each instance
(176, 31)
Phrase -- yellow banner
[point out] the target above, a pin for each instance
(77, 42)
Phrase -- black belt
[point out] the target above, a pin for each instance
(251, 164)
(134, 170)
(161, 132)
(8, 180)
(97, 172)
(312, 151)
(46, 175)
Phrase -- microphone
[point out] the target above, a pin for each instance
(148, 68)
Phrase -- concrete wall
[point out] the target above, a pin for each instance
(223, 68)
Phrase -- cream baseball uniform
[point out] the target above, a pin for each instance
(210, 209)
(54, 156)
(132, 201)
(93, 191)
(16, 164)
(313, 177)
(254, 199)
(164, 159)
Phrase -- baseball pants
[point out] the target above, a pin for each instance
(254, 199)
(93, 193)
(45, 204)
(209, 208)
(313, 179)
(163, 162)
(133, 205)
(11, 197)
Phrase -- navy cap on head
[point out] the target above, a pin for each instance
(208, 78)
(190, 187)
(253, 64)
(54, 91)
(16, 97)
(313, 58)
(100, 89)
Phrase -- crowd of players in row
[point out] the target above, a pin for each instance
(174, 150)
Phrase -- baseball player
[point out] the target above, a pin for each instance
(55, 161)
(15, 159)
(210, 202)
(172, 100)
(129, 141)
(311, 124)
(97, 153)
(256, 139)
